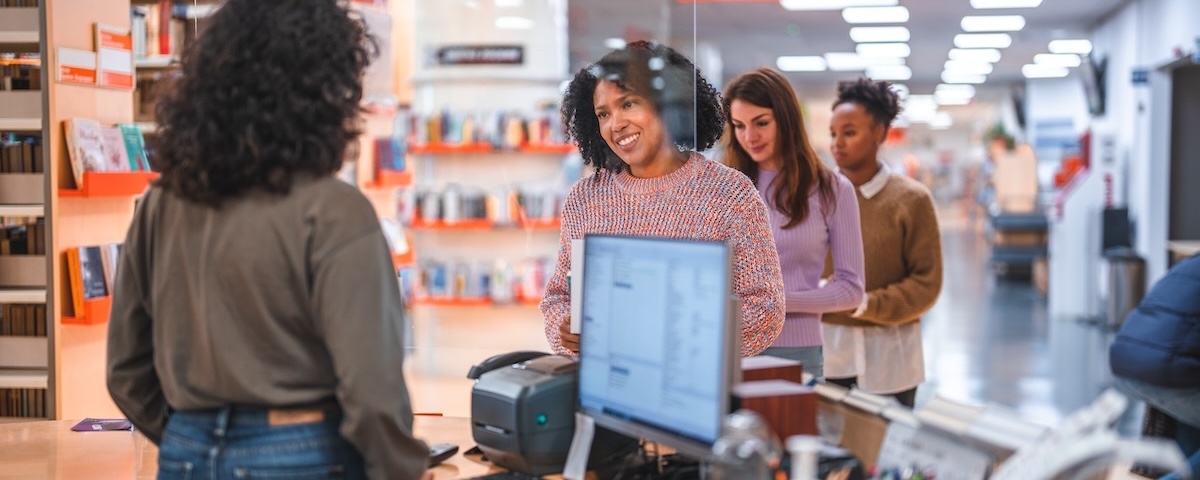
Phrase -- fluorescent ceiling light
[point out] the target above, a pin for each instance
(509, 3)
(834, 4)
(810, 63)
(951, 77)
(941, 121)
(614, 43)
(875, 15)
(982, 40)
(993, 23)
(1005, 3)
(845, 61)
(879, 34)
(514, 23)
(919, 107)
(953, 100)
(947, 90)
(1080, 47)
(969, 68)
(889, 72)
(895, 50)
(1032, 70)
(1057, 59)
(990, 55)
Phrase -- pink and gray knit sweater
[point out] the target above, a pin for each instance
(702, 200)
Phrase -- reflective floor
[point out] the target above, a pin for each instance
(987, 341)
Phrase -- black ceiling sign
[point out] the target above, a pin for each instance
(481, 55)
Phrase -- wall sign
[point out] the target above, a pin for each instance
(114, 57)
(481, 55)
(75, 66)
(1141, 76)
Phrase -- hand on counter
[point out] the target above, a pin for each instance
(570, 341)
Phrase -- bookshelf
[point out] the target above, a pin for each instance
(25, 358)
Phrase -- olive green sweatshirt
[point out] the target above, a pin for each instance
(268, 301)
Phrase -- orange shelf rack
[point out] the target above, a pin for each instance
(453, 302)
(449, 148)
(110, 184)
(551, 148)
(95, 311)
(385, 178)
(469, 224)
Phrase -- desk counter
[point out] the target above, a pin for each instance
(50, 450)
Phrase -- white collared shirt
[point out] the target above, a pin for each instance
(884, 359)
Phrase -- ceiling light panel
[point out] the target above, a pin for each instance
(514, 23)
(990, 55)
(1057, 59)
(875, 15)
(895, 50)
(982, 40)
(972, 68)
(1079, 47)
(993, 23)
(1033, 70)
(951, 77)
(810, 63)
(879, 34)
(957, 90)
(834, 4)
(983, 4)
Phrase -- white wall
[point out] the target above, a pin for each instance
(1145, 33)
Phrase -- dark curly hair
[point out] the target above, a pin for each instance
(802, 171)
(269, 91)
(876, 97)
(689, 105)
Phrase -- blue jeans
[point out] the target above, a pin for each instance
(1182, 404)
(810, 357)
(241, 443)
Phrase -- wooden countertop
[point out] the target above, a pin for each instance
(50, 450)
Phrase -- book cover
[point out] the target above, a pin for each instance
(91, 268)
(85, 147)
(115, 157)
(135, 147)
(110, 256)
(75, 277)
(103, 425)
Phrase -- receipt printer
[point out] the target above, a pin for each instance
(523, 413)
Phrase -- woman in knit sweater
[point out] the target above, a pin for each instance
(878, 347)
(638, 115)
(813, 211)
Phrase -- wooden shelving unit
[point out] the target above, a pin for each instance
(25, 361)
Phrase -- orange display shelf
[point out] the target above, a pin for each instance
(474, 224)
(453, 302)
(385, 178)
(551, 148)
(445, 148)
(95, 311)
(541, 223)
(111, 184)
(401, 260)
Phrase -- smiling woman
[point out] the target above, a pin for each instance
(637, 115)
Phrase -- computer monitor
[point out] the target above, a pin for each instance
(658, 339)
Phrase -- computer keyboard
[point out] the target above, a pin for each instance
(439, 452)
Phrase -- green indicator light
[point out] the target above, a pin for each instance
(541, 419)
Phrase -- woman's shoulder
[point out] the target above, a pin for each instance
(711, 172)
(902, 185)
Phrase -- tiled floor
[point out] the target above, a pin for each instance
(987, 341)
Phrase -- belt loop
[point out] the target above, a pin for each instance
(222, 422)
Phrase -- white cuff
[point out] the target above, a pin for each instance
(862, 307)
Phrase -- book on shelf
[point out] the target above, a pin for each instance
(85, 271)
(23, 320)
(21, 154)
(85, 147)
(23, 237)
(135, 147)
(23, 402)
(18, 3)
(115, 157)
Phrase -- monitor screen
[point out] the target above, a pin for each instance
(658, 339)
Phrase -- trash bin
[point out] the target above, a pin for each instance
(1125, 282)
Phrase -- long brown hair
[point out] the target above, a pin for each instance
(801, 168)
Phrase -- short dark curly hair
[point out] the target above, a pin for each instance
(877, 97)
(269, 91)
(689, 105)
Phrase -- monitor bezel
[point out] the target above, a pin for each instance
(730, 351)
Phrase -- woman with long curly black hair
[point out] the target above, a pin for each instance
(638, 116)
(256, 323)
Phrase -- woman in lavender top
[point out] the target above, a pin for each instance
(813, 211)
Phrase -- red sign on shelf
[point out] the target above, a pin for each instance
(114, 54)
(76, 66)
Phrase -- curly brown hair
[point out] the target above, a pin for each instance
(269, 91)
(689, 105)
(876, 97)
